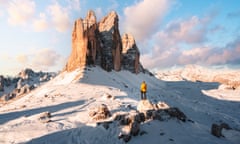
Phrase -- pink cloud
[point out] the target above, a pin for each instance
(60, 17)
(143, 18)
(43, 59)
(184, 42)
(20, 11)
(41, 23)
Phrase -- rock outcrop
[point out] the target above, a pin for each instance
(100, 113)
(1, 83)
(131, 54)
(84, 42)
(110, 42)
(100, 43)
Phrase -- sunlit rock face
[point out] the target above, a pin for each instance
(100, 43)
(84, 42)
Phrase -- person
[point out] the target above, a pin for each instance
(143, 90)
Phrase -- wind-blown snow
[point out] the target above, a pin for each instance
(70, 96)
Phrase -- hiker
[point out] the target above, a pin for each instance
(143, 89)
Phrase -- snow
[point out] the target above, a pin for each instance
(70, 96)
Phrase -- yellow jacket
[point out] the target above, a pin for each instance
(143, 87)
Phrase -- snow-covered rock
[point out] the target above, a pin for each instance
(145, 105)
(23, 83)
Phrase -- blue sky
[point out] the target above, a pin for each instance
(37, 34)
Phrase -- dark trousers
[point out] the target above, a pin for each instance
(143, 95)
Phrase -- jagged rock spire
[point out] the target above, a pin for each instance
(131, 54)
(101, 44)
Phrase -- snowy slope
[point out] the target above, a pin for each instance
(70, 96)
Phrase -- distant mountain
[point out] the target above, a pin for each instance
(228, 77)
(26, 81)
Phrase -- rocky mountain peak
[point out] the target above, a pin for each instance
(100, 43)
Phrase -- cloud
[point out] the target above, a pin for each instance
(226, 55)
(192, 30)
(184, 42)
(60, 17)
(40, 24)
(143, 18)
(22, 58)
(74, 4)
(43, 59)
(3, 1)
(1, 13)
(39, 60)
(20, 11)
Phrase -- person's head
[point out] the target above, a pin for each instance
(143, 81)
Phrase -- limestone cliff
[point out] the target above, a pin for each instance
(131, 54)
(100, 43)
(110, 42)
(84, 42)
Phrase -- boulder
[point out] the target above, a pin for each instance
(175, 112)
(45, 117)
(100, 113)
(216, 129)
(145, 105)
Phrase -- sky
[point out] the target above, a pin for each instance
(37, 34)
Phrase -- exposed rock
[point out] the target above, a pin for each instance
(100, 113)
(131, 54)
(78, 57)
(216, 129)
(107, 96)
(134, 128)
(175, 112)
(105, 124)
(111, 43)
(19, 84)
(130, 122)
(161, 105)
(26, 73)
(25, 89)
(101, 44)
(1, 83)
(126, 137)
(45, 117)
(9, 96)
